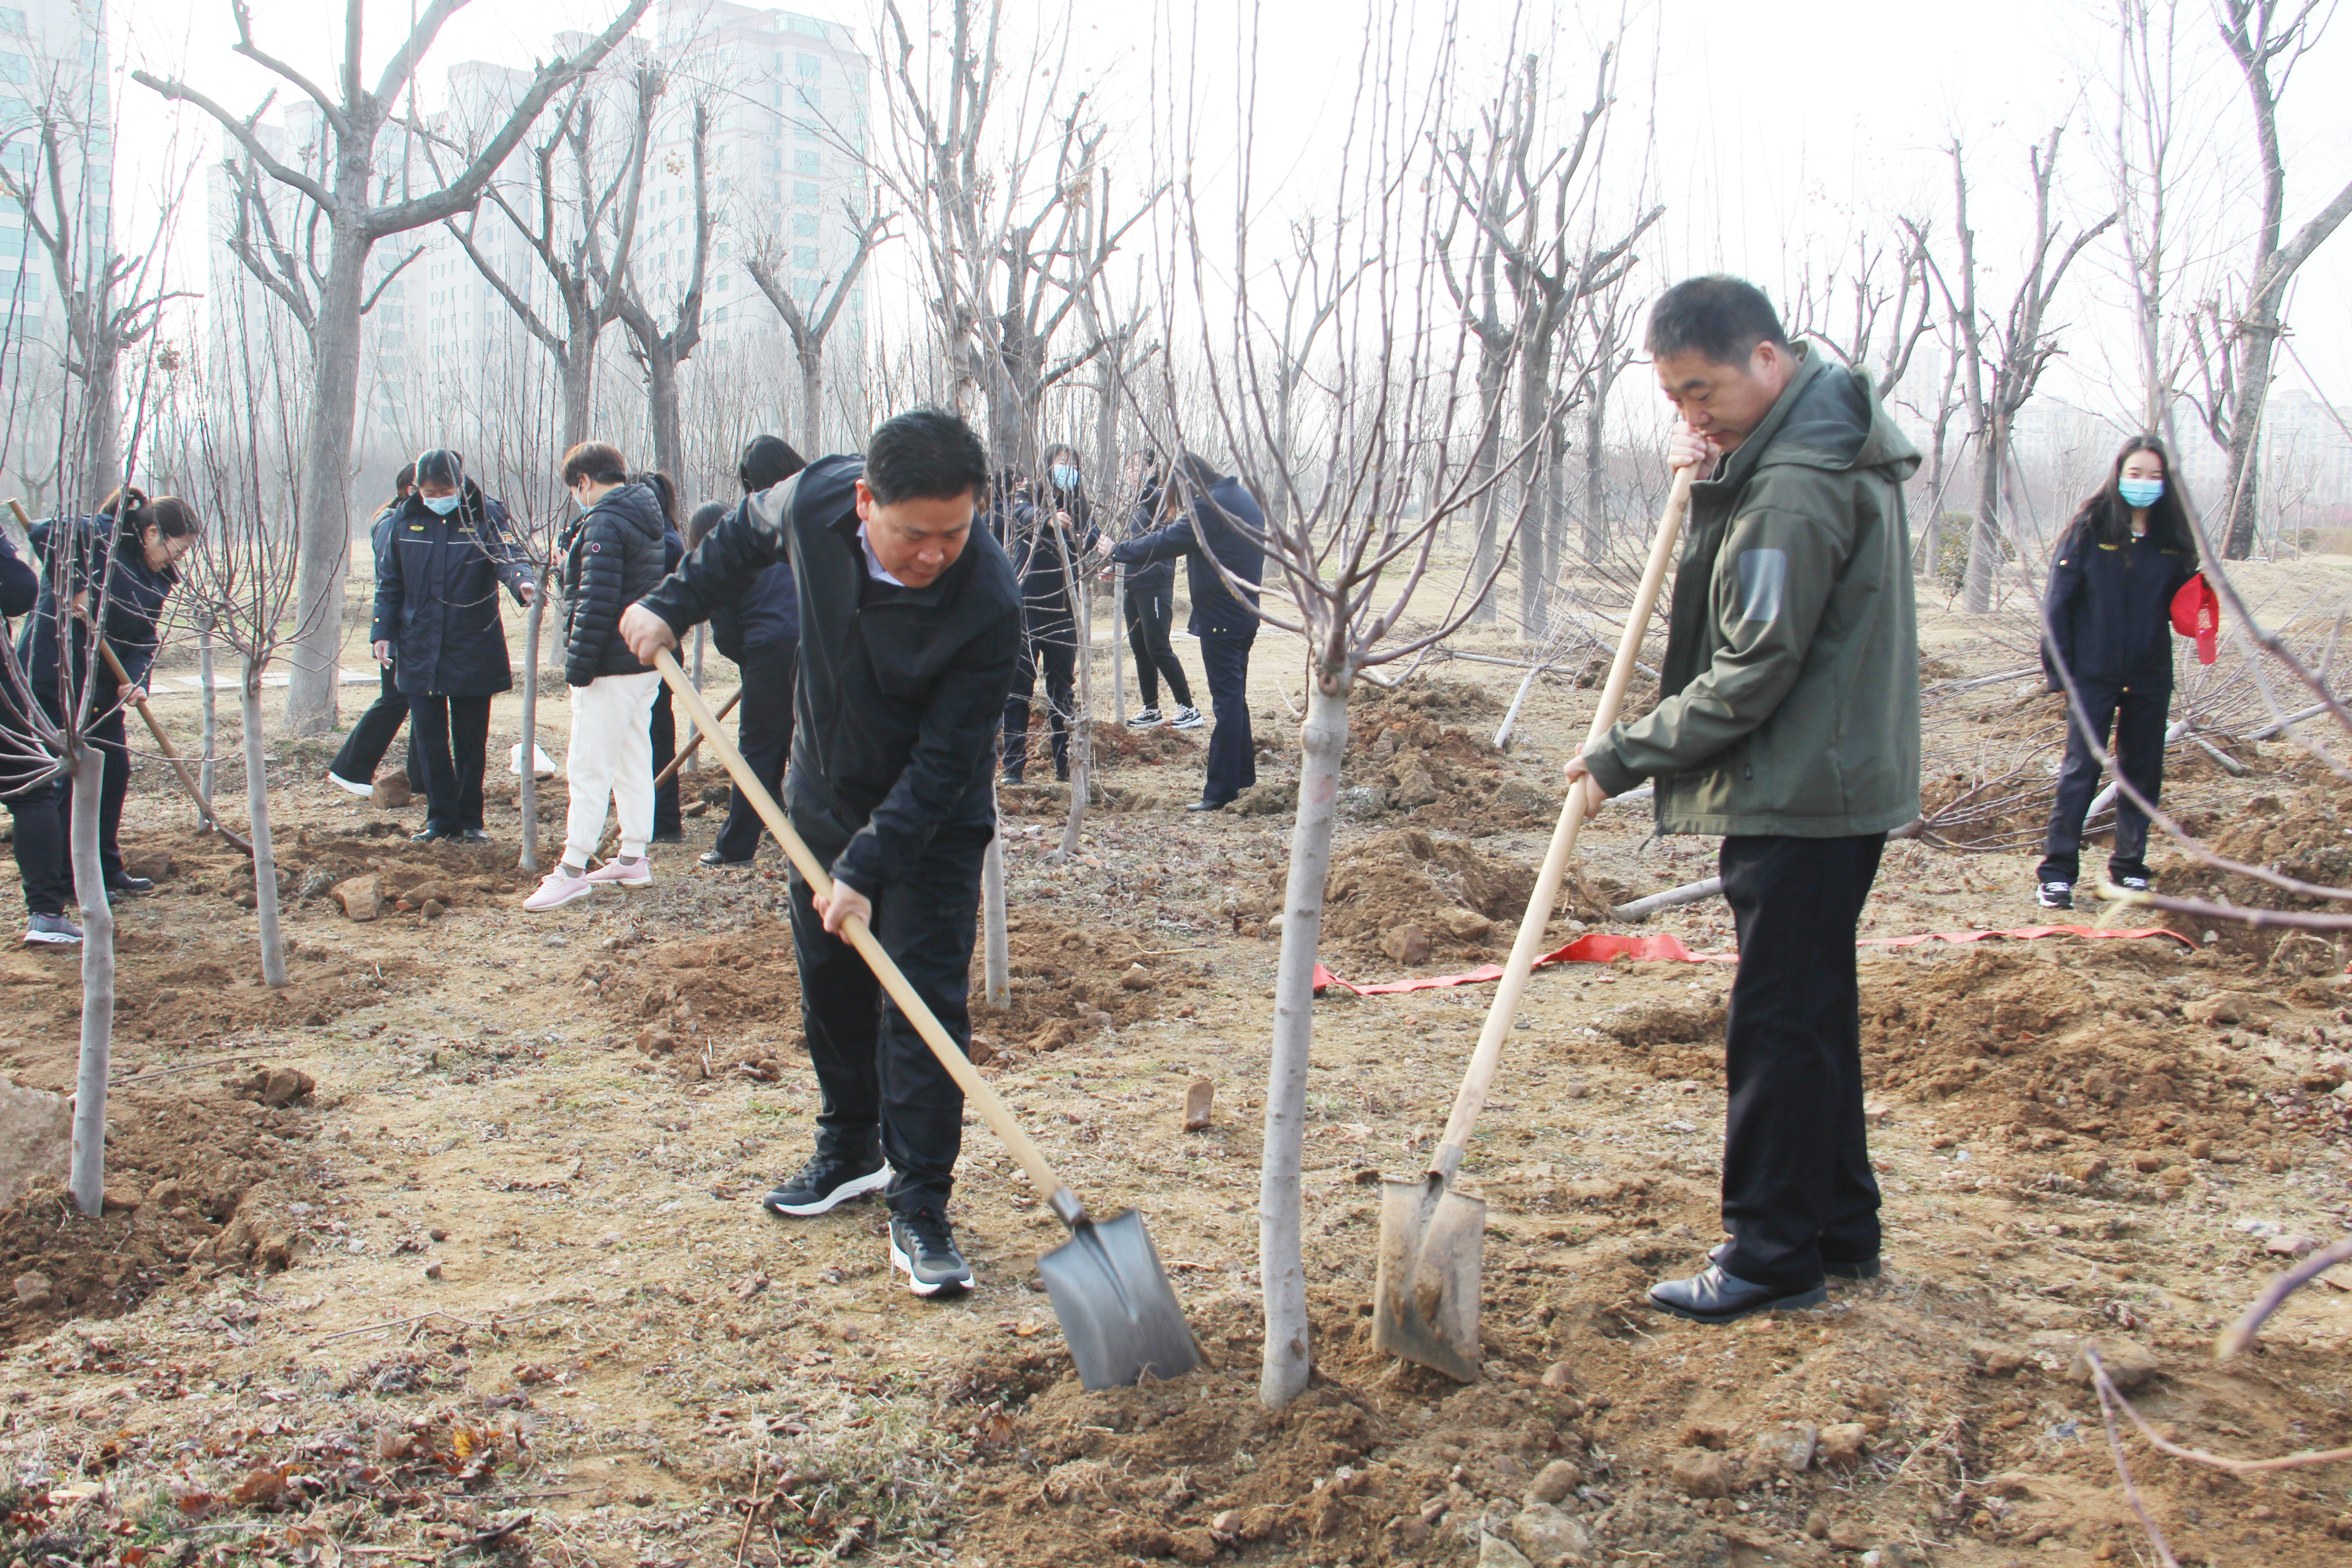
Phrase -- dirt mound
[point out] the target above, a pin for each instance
(1463, 902)
(2297, 833)
(1067, 983)
(197, 1178)
(711, 983)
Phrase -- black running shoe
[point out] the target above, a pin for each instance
(824, 1183)
(923, 1244)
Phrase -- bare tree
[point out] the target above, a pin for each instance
(811, 321)
(355, 200)
(111, 305)
(2267, 38)
(2013, 351)
(579, 219)
(661, 341)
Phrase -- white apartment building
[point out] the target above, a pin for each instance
(53, 52)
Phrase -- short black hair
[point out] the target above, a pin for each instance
(1720, 316)
(440, 466)
(707, 516)
(767, 461)
(926, 454)
(597, 460)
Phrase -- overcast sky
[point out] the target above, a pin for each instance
(1776, 126)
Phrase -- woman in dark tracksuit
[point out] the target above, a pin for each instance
(354, 766)
(437, 624)
(40, 846)
(1038, 535)
(669, 822)
(761, 633)
(2108, 614)
(1151, 601)
(144, 541)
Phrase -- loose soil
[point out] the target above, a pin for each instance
(501, 1256)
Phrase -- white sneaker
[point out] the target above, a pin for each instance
(557, 890)
(621, 874)
(1145, 719)
(1188, 719)
(339, 782)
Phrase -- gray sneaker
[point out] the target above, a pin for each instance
(54, 931)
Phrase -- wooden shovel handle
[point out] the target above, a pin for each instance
(1527, 948)
(122, 679)
(976, 1088)
(693, 740)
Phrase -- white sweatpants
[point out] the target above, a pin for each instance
(610, 761)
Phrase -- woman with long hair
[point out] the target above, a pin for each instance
(353, 769)
(143, 541)
(1041, 533)
(2107, 624)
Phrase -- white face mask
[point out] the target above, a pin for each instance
(442, 505)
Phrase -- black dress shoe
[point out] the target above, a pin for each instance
(1711, 1295)
(1206, 804)
(126, 883)
(713, 858)
(1835, 1268)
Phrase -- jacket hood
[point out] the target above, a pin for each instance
(1829, 417)
(634, 505)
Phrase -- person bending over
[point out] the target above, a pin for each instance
(910, 622)
(353, 769)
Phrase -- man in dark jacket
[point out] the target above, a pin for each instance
(1789, 722)
(910, 621)
(437, 622)
(612, 558)
(39, 836)
(1222, 538)
(353, 769)
(761, 633)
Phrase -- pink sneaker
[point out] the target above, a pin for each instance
(557, 890)
(620, 875)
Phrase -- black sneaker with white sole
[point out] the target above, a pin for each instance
(1145, 719)
(922, 1245)
(2134, 884)
(2055, 895)
(826, 1182)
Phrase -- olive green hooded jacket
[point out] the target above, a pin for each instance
(1790, 685)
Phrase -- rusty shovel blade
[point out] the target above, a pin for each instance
(1119, 1313)
(1425, 1299)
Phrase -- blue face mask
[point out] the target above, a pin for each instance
(2140, 493)
(1064, 475)
(442, 505)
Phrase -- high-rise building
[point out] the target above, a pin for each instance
(53, 67)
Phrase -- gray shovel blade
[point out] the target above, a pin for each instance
(1119, 1314)
(1425, 1299)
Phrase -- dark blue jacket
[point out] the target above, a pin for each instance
(1025, 528)
(1158, 578)
(437, 596)
(2110, 610)
(134, 603)
(20, 585)
(1228, 520)
(901, 690)
(766, 622)
(614, 553)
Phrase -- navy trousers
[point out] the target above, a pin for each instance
(1233, 752)
(2136, 714)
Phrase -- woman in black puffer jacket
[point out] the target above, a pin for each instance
(448, 551)
(613, 556)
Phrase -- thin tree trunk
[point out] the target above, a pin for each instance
(314, 652)
(996, 947)
(1281, 1266)
(1596, 526)
(257, 807)
(812, 401)
(1491, 371)
(1535, 527)
(579, 376)
(87, 1177)
(207, 768)
(534, 621)
(2244, 500)
(101, 450)
(1984, 539)
(661, 408)
(1117, 644)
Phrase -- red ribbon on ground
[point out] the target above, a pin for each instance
(1600, 947)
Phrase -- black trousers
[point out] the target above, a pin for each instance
(451, 735)
(364, 747)
(1796, 1185)
(114, 784)
(1054, 646)
(42, 862)
(1149, 617)
(879, 1084)
(1233, 753)
(664, 724)
(2136, 716)
(763, 732)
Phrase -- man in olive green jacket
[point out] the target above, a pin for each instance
(1789, 723)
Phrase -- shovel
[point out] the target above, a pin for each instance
(1425, 1299)
(1117, 1310)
